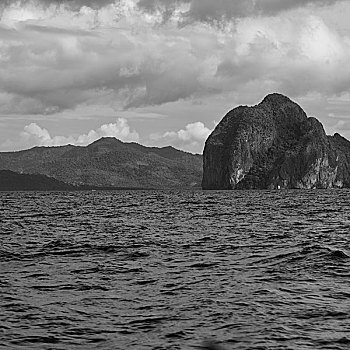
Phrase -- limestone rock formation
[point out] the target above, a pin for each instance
(274, 145)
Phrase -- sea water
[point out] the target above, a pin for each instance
(171, 269)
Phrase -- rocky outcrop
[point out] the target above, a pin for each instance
(274, 145)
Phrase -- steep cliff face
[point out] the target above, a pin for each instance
(274, 145)
(342, 147)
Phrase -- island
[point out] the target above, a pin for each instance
(274, 145)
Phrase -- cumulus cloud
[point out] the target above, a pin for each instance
(191, 138)
(299, 57)
(35, 135)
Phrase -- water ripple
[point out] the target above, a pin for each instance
(175, 270)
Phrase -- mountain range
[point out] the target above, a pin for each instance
(109, 162)
(273, 145)
(12, 181)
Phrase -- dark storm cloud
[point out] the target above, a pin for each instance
(218, 10)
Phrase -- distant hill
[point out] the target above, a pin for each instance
(109, 162)
(11, 181)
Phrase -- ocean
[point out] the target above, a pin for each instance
(172, 269)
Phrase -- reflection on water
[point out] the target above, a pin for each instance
(166, 270)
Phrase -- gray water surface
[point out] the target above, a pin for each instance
(167, 270)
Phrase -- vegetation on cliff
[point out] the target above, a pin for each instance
(274, 145)
(109, 162)
(11, 181)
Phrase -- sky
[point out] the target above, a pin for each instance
(164, 72)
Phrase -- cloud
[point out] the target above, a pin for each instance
(71, 4)
(224, 10)
(191, 138)
(48, 66)
(201, 10)
(63, 56)
(35, 135)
